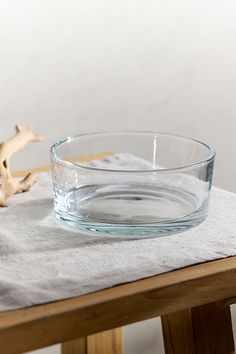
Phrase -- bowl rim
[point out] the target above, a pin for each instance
(210, 157)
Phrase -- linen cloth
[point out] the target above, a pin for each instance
(41, 260)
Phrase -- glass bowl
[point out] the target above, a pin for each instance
(131, 184)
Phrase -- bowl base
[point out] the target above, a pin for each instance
(130, 231)
(130, 211)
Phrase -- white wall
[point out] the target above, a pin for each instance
(78, 66)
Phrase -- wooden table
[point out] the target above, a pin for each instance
(194, 305)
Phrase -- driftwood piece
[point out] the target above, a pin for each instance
(8, 184)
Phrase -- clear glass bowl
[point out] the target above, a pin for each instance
(131, 184)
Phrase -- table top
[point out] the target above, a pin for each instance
(39, 326)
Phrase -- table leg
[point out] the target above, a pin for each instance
(108, 342)
(205, 329)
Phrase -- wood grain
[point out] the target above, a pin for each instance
(205, 329)
(177, 332)
(108, 342)
(76, 346)
(65, 320)
(212, 328)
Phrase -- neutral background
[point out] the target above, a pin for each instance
(69, 66)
